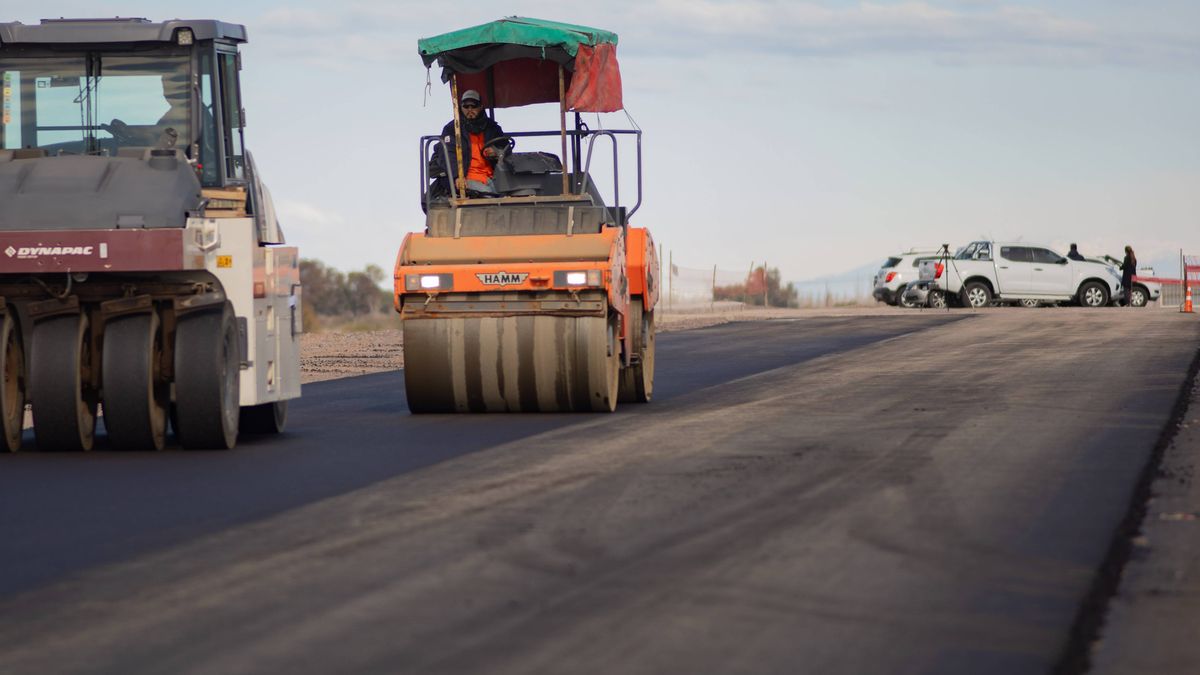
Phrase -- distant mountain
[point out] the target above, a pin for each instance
(852, 285)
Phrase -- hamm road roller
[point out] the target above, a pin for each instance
(528, 290)
(141, 267)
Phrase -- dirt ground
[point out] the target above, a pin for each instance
(328, 356)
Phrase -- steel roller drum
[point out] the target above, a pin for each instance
(511, 364)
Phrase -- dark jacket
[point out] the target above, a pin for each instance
(1128, 269)
(491, 130)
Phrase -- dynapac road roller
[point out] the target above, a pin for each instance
(531, 293)
(140, 266)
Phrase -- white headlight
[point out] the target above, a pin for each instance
(430, 281)
(576, 278)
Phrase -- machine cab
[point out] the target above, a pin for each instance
(123, 88)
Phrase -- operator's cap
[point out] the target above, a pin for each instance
(470, 95)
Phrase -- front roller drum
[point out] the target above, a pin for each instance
(12, 383)
(136, 396)
(64, 402)
(511, 364)
(207, 372)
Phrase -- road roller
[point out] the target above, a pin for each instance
(532, 291)
(144, 280)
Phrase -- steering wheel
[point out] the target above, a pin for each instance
(504, 145)
(119, 131)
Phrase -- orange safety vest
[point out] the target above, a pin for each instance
(480, 169)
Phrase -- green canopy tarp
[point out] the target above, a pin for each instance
(514, 61)
(516, 31)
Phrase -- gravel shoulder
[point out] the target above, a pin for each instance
(1151, 621)
(332, 355)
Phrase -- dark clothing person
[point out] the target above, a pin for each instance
(1074, 253)
(485, 125)
(476, 130)
(1128, 269)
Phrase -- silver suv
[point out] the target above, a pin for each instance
(898, 272)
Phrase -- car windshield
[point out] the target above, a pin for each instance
(92, 103)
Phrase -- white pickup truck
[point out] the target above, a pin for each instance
(986, 271)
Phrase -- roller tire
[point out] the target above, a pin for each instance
(64, 406)
(266, 418)
(136, 397)
(637, 381)
(207, 374)
(12, 383)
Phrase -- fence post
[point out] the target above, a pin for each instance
(712, 299)
(764, 284)
(746, 286)
(670, 280)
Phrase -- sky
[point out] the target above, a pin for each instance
(813, 136)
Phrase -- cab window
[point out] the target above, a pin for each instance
(231, 112)
(1015, 253)
(1042, 255)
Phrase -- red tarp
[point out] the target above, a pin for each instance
(595, 86)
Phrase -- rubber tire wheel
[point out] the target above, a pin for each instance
(900, 301)
(207, 375)
(937, 300)
(637, 381)
(64, 408)
(1093, 294)
(12, 383)
(266, 418)
(976, 295)
(1138, 297)
(1030, 303)
(136, 397)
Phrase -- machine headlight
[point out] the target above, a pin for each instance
(578, 278)
(428, 282)
(184, 37)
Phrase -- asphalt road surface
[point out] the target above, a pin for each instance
(912, 493)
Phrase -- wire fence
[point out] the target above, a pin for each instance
(690, 289)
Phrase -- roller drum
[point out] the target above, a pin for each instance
(637, 381)
(511, 364)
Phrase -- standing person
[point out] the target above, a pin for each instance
(1074, 253)
(477, 131)
(1128, 269)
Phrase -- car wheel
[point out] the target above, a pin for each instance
(976, 294)
(1030, 303)
(937, 299)
(1137, 296)
(903, 301)
(1093, 294)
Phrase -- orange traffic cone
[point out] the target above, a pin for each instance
(1187, 300)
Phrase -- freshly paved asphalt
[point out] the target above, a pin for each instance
(899, 494)
(67, 512)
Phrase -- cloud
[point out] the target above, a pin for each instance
(951, 33)
(306, 216)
